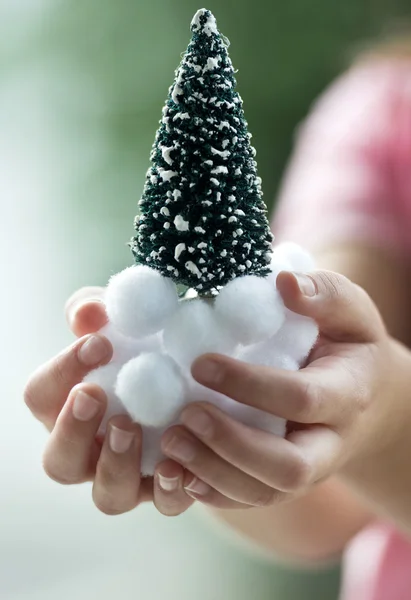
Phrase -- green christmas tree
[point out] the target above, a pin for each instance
(202, 219)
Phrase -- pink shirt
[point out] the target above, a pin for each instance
(350, 176)
(350, 179)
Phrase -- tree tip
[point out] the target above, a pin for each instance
(204, 22)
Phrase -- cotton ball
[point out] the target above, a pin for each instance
(298, 258)
(194, 330)
(139, 300)
(200, 393)
(125, 348)
(296, 337)
(268, 354)
(250, 309)
(277, 265)
(151, 388)
(105, 377)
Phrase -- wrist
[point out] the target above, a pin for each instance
(378, 468)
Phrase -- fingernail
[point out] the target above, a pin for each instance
(180, 449)
(76, 306)
(120, 440)
(93, 351)
(198, 421)
(197, 487)
(168, 484)
(306, 284)
(208, 371)
(85, 407)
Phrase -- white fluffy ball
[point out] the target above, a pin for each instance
(125, 348)
(105, 377)
(276, 268)
(250, 308)
(194, 330)
(151, 388)
(139, 300)
(298, 258)
(289, 257)
(268, 354)
(297, 336)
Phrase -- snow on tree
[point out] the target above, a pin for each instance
(202, 219)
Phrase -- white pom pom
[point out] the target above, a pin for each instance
(298, 258)
(125, 348)
(250, 309)
(296, 337)
(268, 354)
(105, 377)
(276, 267)
(152, 389)
(195, 330)
(139, 300)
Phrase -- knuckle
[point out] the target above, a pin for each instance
(173, 508)
(113, 504)
(116, 476)
(60, 368)
(30, 395)
(109, 510)
(264, 497)
(335, 286)
(307, 400)
(297, 475)
(108, 477)
(60, 476)
(362, 394)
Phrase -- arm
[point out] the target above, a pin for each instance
(319, 525)
(335, 179)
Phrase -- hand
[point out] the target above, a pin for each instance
(335, 406)
(72, 412)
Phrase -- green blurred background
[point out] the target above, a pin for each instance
(82, 84)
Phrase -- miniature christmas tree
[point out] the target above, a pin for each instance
(203, 221)
(203, 224)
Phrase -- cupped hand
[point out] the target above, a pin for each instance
(72, 411)
(335, 407)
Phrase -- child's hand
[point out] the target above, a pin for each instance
(72, 412)
(336, 406)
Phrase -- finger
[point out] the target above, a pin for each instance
(322, 449)
(271, 459)
(116, 485)
(184, 448)
(85, 311)
(48, 388)
(204, 493)
(72, 450)
(176, 489)
(306, 396)
(169, 496)
(279, 463)
(343, 310)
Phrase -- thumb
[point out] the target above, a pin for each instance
(343, 310)
(85, 311)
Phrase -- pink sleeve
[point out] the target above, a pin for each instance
(377, 566)
(341, 184)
